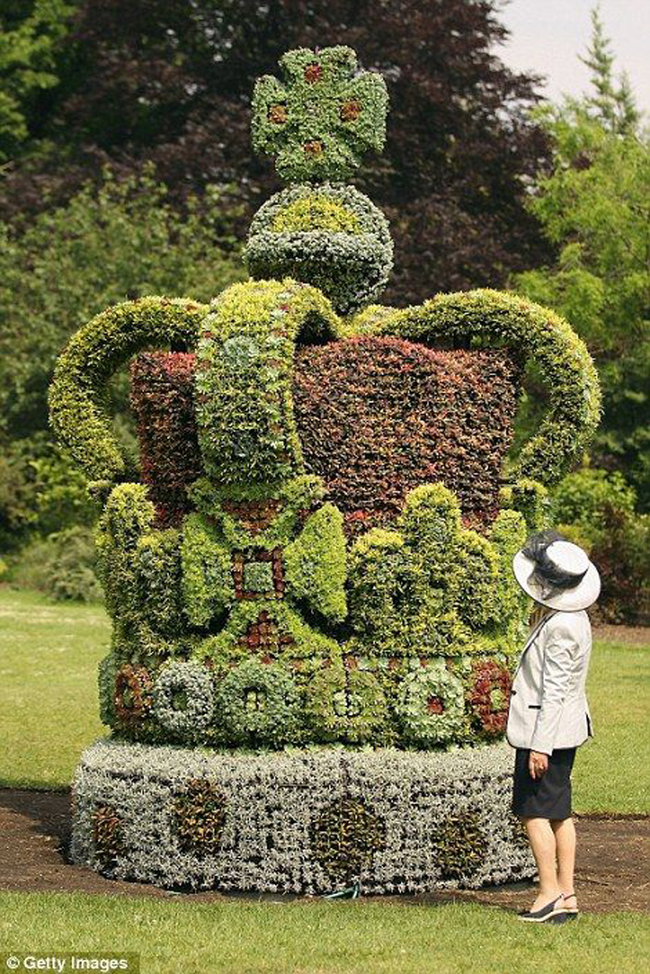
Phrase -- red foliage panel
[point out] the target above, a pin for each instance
(378, 416)
(162, 400)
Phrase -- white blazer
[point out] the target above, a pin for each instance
(548, 705)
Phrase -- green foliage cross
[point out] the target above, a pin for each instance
(321, 119)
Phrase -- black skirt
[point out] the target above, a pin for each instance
(548, 796)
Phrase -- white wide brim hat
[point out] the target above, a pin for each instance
(570, 558)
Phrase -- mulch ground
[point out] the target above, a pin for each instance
(611, 870)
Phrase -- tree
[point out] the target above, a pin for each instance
(171, 83)
(595, 208)
(613, 106)
(31, 35)
(118, 242)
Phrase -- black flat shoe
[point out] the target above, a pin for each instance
(551, 912)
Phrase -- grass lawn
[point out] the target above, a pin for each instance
(48, 686)
(48, 704)
(321, 938)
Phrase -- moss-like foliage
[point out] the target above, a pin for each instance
(345, 837)
(247, 431)
(92, 356)
(322, 117)
(429, 586)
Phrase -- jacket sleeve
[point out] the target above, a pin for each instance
(560, 649)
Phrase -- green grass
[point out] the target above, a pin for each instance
(48, 704)
(612, 772)
(48, 678)
(321, 938)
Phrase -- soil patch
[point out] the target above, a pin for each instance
(35, 826)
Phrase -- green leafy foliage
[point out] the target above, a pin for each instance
(62, 565)
(594, 207)
(323, 116)
(597, 509)
(29, 48)
(330, 236)
(108, 243)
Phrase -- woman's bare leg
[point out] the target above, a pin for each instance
(565, 842)
(543, 843)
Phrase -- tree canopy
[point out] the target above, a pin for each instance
(149, 80)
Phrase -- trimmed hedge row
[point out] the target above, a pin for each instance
(547, 340)
(308, 822)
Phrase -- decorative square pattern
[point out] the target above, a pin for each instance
(259, 574)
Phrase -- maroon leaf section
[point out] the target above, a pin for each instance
(376, 417)
(162, 400)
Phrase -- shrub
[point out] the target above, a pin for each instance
(62, 565)
(596, 509)
(118, 240)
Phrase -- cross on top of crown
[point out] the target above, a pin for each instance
(322, 117)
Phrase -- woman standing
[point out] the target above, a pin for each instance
(549, 715)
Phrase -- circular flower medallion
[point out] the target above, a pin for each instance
(346, 704)
(199, 815)
(431, 706)
(488, 697)
(345, 836)
(459, 845)
(257, 704)
(132, 694)
(183, 700)
(108, 838)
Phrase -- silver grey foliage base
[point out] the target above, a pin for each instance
(271, 802)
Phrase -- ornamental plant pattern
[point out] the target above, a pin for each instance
(316, 555)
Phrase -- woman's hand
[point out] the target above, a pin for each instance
(537, 764)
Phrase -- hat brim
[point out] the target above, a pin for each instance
(566, 600)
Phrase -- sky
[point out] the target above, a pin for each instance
(547, 36)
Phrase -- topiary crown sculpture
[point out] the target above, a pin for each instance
(319, 552)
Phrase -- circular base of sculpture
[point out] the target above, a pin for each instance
(303, 821)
